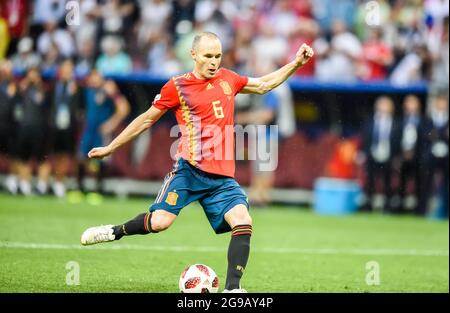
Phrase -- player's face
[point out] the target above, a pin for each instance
(207, 57)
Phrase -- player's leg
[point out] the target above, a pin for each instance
(144, 223)
(239, 248)
(226, 207)
(162, 213)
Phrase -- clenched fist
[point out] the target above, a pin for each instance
(304, 54)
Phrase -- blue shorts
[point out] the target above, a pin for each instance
(216, 194)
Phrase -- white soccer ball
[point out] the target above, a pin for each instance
(198, 278)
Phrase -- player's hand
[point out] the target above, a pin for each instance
(304, 54)
(100, 152)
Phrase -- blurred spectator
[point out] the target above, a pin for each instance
(32, 140)
(48, 11)
(327, 11)
(4, 35)
(216, 16)
(268, 38)
(163, 61)
(25, 57)
(435, 12)
(182, 18)
(285, 115)
(376, 57)
(183, 45)
(411, 149)
(115, 16)
(243, 49)
(15, 13)
(261, 111)
(86, 57)
(342, 163)
(439, 49)
(59, 37)
(88, 28)
(113, 60)
(105, 110)
(306, 32)
(380, 146)
(412, 68)
(63, 123)
(8, 131)
(52, 58)
(153, 22)
(338, 59)
(436, 150)
(282, 18)
(206, 9)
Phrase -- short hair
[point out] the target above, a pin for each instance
(198, 37)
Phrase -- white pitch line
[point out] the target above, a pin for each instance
(325, 251)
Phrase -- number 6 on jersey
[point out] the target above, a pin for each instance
(218, 110)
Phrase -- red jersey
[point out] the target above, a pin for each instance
(204, 109)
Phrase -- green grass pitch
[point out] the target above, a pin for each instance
(293, 250)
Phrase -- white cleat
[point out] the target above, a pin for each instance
(240, 290)
(97, 234)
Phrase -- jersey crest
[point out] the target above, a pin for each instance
(226, 87)
(172, 198)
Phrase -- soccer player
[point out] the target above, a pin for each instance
(106, 108)
(203, 101)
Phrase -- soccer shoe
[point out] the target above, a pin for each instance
(97, 234)
(240, 290)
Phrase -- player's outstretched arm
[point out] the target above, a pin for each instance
(137, 126)
(266, 83)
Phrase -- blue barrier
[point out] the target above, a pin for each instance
(336, 196)
(296, 83)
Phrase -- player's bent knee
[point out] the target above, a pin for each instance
(238, 216)
(161, 220)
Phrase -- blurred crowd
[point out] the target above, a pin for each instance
(404, 41)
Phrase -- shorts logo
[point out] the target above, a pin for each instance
(172, 198)
(226, 87)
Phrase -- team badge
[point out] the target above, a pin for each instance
(172, 198)
(226, 87)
